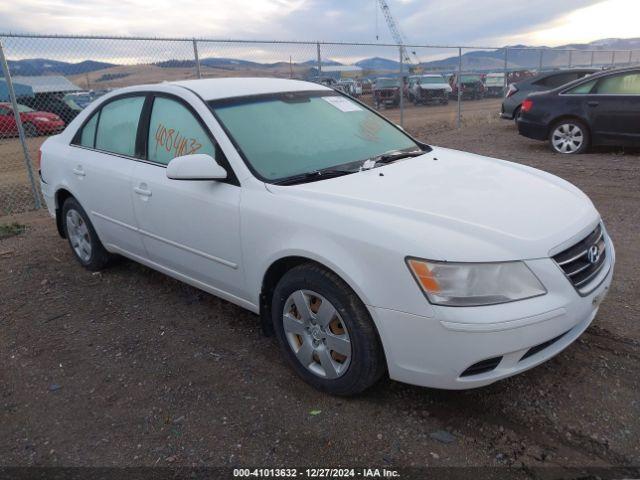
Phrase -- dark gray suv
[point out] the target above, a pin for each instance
(517, 92)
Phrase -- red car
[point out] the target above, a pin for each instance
(34, 123)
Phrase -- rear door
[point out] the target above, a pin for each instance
(100, 169)
(187, 226)
(614, 109)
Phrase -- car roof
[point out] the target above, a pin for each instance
(218, 88)
(551, 73)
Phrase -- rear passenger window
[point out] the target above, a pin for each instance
(118, 126)
(88, 135)
(583, 88)
(174, 131)
(626, 84)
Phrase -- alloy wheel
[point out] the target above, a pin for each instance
(567, 138)
(316, 334)
(79, 235)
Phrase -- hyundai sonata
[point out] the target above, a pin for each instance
(365, 250)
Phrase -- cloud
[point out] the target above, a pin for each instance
(433, 22)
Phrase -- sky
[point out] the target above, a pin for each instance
(432, 22)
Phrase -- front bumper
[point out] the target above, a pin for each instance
(437, 351)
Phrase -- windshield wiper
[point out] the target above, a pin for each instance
(390, 157)
(314, 176)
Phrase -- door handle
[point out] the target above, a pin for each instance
(593, 103)
(142, 191)
(79, 171)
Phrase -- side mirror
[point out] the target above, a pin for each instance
(198, 166)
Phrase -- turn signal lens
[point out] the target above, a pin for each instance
(424, 276)
(474, 284)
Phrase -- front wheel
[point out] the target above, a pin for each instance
(326, 332)
(569, 136)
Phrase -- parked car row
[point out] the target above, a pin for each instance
(576, 109)
(44, 114)
(436, 88)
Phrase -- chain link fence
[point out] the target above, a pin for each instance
(45, 81)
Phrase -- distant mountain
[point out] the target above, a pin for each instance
(328, 63)
(518, 57)
(378, 63)
(43, 66)
(523, 56)
(228, 62)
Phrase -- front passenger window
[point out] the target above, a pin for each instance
(174, 131)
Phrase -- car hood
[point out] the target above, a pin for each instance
(459, 206)
(49, 115)
(435, 86)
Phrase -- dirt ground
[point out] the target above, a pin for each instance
(129, 368)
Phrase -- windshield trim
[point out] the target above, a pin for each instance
(212, 104)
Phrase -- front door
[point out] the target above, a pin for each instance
(187, 226)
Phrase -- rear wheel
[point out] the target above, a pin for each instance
(82, 237)
(516, 115)
(326, 332)
(569, 136)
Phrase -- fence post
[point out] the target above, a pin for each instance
(540, 60)
(197, 58)
(400, 49)
(319, 62)
(570, 58)
(459, 86)
(16, 114)
(506, 69)
(613, 58)
(593, 52)
(630, 56)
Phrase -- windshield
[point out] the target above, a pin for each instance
(71, 102)
(283, 135)
(494, 80)
(24, 109)
(424, 80)
(386, 82)
(470, 78)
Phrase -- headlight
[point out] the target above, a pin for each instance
(42, 119)
(474, 284)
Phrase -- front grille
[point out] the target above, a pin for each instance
(482, 367)
(575, 261)
(538, 348)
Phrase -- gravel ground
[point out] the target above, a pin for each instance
(130, 368)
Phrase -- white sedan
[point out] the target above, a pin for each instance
(363, 249)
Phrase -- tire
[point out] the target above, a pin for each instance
(569, 136)
(30, 130)
(82, 237)
(306, 336)
(516, 115)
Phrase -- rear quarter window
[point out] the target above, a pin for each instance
(87, 137)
